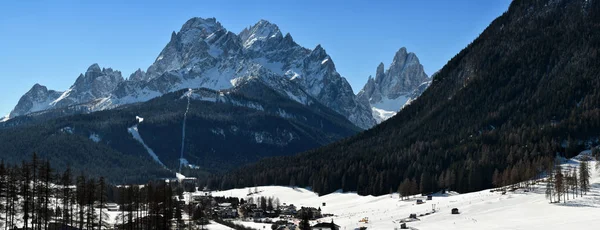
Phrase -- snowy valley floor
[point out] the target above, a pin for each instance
(478, 210)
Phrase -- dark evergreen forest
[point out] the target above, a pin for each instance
(526, 90)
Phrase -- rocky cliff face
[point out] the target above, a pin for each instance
(94, 84)
(391, 89)
(204, 54)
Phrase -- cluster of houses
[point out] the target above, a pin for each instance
(280, 216)
(225, 211)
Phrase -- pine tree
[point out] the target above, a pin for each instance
(66, 196)
(270, 204)
(574, 182)
(34, 194)
(550, 183)
(25, 193)
(90, 199)
(404, 189)
(559, 185)
(122, 201)
(14, 191)
(101, 198)
(496, 178)
(413, 188)
(47, 177)
(584, 177)
(80, 198)
(304, 224)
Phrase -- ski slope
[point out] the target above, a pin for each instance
(133, 130)
(478, 210)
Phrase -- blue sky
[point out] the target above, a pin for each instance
(51, 42)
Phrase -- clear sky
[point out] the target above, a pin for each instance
(51, 42)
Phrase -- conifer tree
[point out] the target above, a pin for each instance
(496, 178)
(304, 224)
(25, 193)
(574, 182)
(66, 196)
(101, 199)
(584, 177)
(559, 183)
(47, 178)
(550, 183)
(34, 194)
(80, 199)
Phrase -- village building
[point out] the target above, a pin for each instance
(112, 207)
(288, 209)
(325, 226)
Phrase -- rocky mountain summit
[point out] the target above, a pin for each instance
(391, 89)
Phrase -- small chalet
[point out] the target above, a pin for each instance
(288, 209)
(200, 196)
(313, 213)
(225, 210)
(455, 211)
(325, 226)
(256, 213)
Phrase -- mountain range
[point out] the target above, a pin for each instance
(203, 54)
(258, 89)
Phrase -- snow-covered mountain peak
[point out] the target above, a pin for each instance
(319, 59)
(95, 75)
(37, 88)
(36, 99)
(94, 84)
(197, 27)
(288, 41)
(391, 89)
(259, 33)
(402, 58)
(94, 68)
(138, 75)
(318, 52)
(380, 71)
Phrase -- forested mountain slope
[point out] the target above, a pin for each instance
(526, 89)
(224, 129)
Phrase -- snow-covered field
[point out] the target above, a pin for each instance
(216, 226)
(478, 210)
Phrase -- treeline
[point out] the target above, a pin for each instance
(524, 91)
(33, 195)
